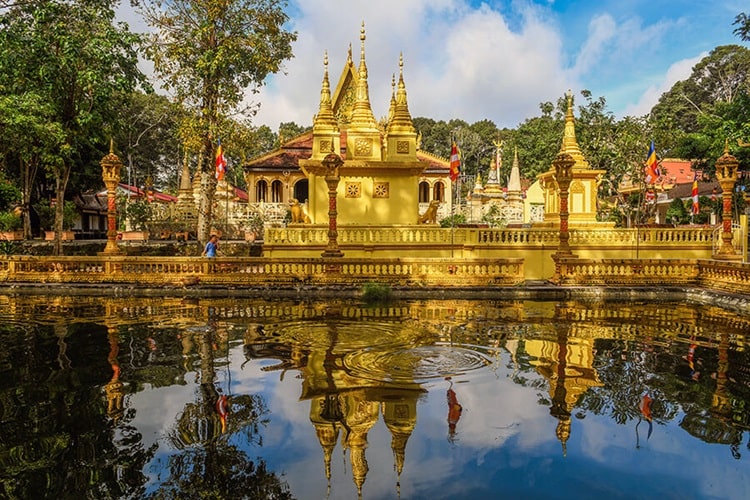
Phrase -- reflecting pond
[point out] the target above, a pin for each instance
(247, 398)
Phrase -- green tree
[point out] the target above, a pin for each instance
(148, 134)
(208, 53)
(290, 130)
(742, 21)
(719, 77)
(30, 135)
(677, 213)
(538, 139)
(72, 56)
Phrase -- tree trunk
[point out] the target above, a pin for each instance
(28, 174)
(206, 199)
(61, 181)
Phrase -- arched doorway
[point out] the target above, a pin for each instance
(301, 190)
(424, 192)
(438, 191)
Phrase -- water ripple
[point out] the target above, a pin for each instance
(418, 363)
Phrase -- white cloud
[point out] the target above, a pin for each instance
(678, 71)
(459, 62)
(476, 60)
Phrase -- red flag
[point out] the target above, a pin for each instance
(696, 206)
(221, 162)
(652, 167)
(455, 162)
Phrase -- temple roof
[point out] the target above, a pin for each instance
(288, 155)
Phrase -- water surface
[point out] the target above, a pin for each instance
(223, 398)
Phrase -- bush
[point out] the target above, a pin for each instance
(138, 213)
(376, 292)
(10, 221)
(453, 220)
(46, 212)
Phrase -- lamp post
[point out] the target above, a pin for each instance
(332, 162)
(563, 165)
(726, 173)
(111, 166)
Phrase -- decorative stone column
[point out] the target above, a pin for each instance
(111, 166)
(332, 162)
(563, 165)
(726, 173)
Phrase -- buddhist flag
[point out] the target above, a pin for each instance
(652, 167)
(455, 162)
(221, 162)
(696, 205)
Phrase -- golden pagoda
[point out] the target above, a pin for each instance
(380, 171)
(583, 187)
(567, 364)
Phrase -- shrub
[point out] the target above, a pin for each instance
(453, 220)
(46, 212)
(138, 213)
(376, 292)
(10, 221)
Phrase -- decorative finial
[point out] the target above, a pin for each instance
(362, 42)
(111, 146)
(401, 63)
(325, 60)
(349, 55)
(726, 145)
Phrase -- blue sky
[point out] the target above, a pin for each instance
(498, 59)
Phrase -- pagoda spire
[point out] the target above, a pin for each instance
(326, 134)
(362, 118)
(569, 142)
(325, 116)
(514, 183)
(401, 117)
(401, 136)
(392, 107)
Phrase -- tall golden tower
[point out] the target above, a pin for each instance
(326, 134)
(363, 136)
(583, 188)
(401, 136)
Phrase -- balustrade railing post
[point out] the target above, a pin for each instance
(563, 164)
(332, 162)
(111, 166)
(726, 172)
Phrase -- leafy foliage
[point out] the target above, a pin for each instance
(376, 293)
(138, 213)
(207, 54)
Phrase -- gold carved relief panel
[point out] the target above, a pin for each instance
(326, 145)
(353, 189)
(363, 146)
(402, 147)
(381, 190)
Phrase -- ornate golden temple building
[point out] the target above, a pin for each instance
(385, 176)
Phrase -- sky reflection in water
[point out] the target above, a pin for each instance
(117, 398)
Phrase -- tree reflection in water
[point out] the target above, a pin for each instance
(123, 398)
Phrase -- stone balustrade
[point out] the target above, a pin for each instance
(256, 272)
(732, 277)
(301, 234)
